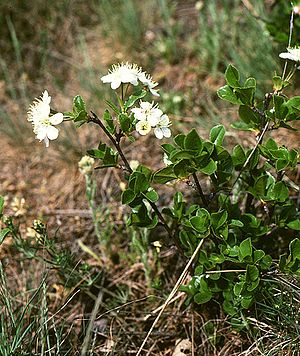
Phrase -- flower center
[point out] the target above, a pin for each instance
(46, 122)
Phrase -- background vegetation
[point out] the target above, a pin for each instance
(63, 292)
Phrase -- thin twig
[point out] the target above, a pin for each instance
(200, 191)
(159, 308)
(86, 341)
(251, 153)
(171, 295)
(193, 334)
(290, 41)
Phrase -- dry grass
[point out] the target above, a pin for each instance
(114, 315)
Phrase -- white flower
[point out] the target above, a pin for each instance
(86, 165)
(292, 53)
(43, 124)
(162, 128)
(143, 127)
(146, 79)
(147, 112)
(122, 73)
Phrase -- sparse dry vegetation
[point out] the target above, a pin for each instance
(75, 279)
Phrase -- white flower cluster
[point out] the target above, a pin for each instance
(129, 73)
(292, 54)
(149, 115)
(43, 124)
(86, 165)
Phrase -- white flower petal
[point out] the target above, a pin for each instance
(52, 132)
(143, 127)
(292, 54)
(164, 120)
(46, 98)
(145, 105)
(158, 133)
(286, 55)
(107, 78)
(41, 132)
(115, 84)
(56, 118)
(154, 92)
(153, 120)
(157, 112)
(166, 132)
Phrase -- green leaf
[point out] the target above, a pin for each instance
(246, 95)
(294, 225)
(109, 122)
(78, 104)
(110, 158)
(246, 302)
(294, 248)
(232, 76)
(210, 168)
(218, 219)
(3, 234)
(280, 192)
(177, 155)
(271, 144)
(238, 156)
(183, 168)
(128, 196)
(242, 126)
(253, 285)
(1, 204)
(203, 297)
(164, 175)
(245, 248)
(179, 140)
(278, 83)
(125, 122)
(248, 116)
(262, 185)
(252, 273)
(258, 255)
(133, 98)
(281, 110)
(293, 105)
(266, 262)
(236, 223)
(250, 83)
(238, 288)
(152, 195)
(201, 222)
(227, 93)
(80, 118)
(140, 182)
(96, 153)
(193, 142)
(112, 106)
(168, 148)
(217, 134)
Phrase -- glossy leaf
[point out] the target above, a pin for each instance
(217, 134)
(228, 94)
(232, 76)
(246, 248)
(193, 142)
